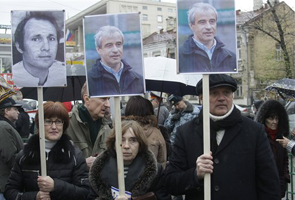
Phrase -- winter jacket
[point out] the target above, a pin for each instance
(156, 141)
(79, 133)
(144, 175)
(23, 123)
(194, 59)
(163, 113)
(244, 167)
(65, 164)
(102, 82)
(279, 152)
(176, 119)
(10, 144)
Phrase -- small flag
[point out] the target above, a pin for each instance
(70, 36)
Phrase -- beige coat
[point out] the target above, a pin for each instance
(79, 133)
(156, 141)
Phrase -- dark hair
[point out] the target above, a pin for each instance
(272, 108)
(54, 109)
(138, 132)
(139, 106)
(20, 31)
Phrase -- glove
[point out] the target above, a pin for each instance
(175, 117)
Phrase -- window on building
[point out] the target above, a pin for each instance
(122, 8)
(5, 65)
(146, 29)
(144, 17)
(171, 21)
(172, 55)
(160, 18)
(144, 7)
(156, 53)
(135, 8)
(159, 9)
(129, 8)
(278, 52)
(160, 28)
(170, 9)
(239, 49)
(239, 91)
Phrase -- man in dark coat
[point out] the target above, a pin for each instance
(111, 75)
(23, 123)
(203, 51)
(10, 141)
(161, 111)
(194, 59)
(241, 163)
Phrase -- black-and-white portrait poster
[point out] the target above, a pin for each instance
(113, 53)
(206, 36)
(38, 50)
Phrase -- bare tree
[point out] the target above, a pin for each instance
(277, 23)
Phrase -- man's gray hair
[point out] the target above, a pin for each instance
(199, 6)
(106, 31)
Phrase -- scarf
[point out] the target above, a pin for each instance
(272, 133)
(231, 118)
(49, 144)
(94, 126)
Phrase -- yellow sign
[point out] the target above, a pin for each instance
(5, 40)
(70, 43)
(75, 62)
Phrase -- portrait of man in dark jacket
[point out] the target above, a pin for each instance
(111, 74)
(203, 51)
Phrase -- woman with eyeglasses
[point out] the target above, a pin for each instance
(275, 119)
(141, 171)
(67, 171)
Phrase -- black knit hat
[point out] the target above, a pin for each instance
(217, 80)
(8, 102)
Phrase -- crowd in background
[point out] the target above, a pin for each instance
(162, 149)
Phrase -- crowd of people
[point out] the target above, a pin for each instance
(164, 160)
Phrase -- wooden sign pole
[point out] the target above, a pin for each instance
(118, 129)
(41, 131)
(206, 133)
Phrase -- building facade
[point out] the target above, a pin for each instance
(153, 16)
(260, 56)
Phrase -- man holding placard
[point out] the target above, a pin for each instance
(88, 126)
(10, 140)
(241, 162)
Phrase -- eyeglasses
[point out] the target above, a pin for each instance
(58, 122)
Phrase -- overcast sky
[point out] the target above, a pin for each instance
(73, 7)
